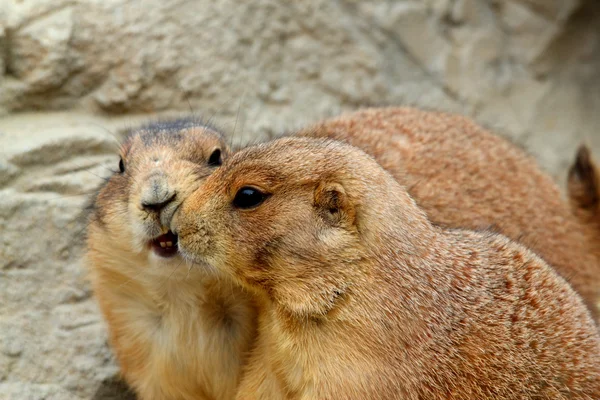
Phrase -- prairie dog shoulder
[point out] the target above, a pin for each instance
(179, 331)
(364, 298)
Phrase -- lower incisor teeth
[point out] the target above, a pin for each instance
(163, 244)
(169, 244)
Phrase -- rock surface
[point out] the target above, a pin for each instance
(73, 71)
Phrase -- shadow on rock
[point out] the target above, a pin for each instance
(113, 389)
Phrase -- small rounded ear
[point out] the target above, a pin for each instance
(333, 205)
(582, 181)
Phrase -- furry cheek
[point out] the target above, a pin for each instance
(143, 227)
(196, 243)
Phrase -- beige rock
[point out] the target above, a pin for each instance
(558, 10)
(3, 46)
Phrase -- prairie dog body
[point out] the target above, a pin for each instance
(178, 331)
(463, 176)
(362, 297)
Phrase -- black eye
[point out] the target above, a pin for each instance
(248, 197)
(121, 166)
(215, 158)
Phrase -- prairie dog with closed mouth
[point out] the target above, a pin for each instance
(362, 297)
(463, 176)
(179, 331)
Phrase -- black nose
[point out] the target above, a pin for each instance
(156, 205)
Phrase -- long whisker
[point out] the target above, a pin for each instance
(190, 107)
(104, 178)
(83, 219)
(74, 195)
(174, 269)
(237, 117)
(218, 109)
(84, 215)
(232, 143)
(111, 133)
(189, 269)
(81, 168)
(132, 278)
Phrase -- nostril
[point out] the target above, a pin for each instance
(157, 206)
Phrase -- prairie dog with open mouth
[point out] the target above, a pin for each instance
(179, 330)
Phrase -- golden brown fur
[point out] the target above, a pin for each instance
(363, 298)
(464, 176)
(178, 331)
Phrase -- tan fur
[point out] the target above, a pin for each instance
(179, 331)
(363, 298)
(464, 176)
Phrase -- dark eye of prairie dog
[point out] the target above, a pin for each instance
(215, 158)
(248, 197)
(121, 166)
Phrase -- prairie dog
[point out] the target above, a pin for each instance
(179, 332)
(464, 176)
(363, 298)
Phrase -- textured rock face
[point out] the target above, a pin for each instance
(529, 68)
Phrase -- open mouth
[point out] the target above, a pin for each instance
(165, 245)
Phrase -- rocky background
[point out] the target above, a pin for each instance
(75, 73)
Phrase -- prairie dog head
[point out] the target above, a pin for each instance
(160, 164)
(295, 219)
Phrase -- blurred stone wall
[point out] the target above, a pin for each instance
(73, 73)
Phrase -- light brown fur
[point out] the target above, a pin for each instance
(464, 176)
(363, 298)
(179, 332)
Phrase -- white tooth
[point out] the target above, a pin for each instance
(169, 244)
(162, 244)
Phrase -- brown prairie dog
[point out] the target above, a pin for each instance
(179, 332)
(463, 176)
(363, 298)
